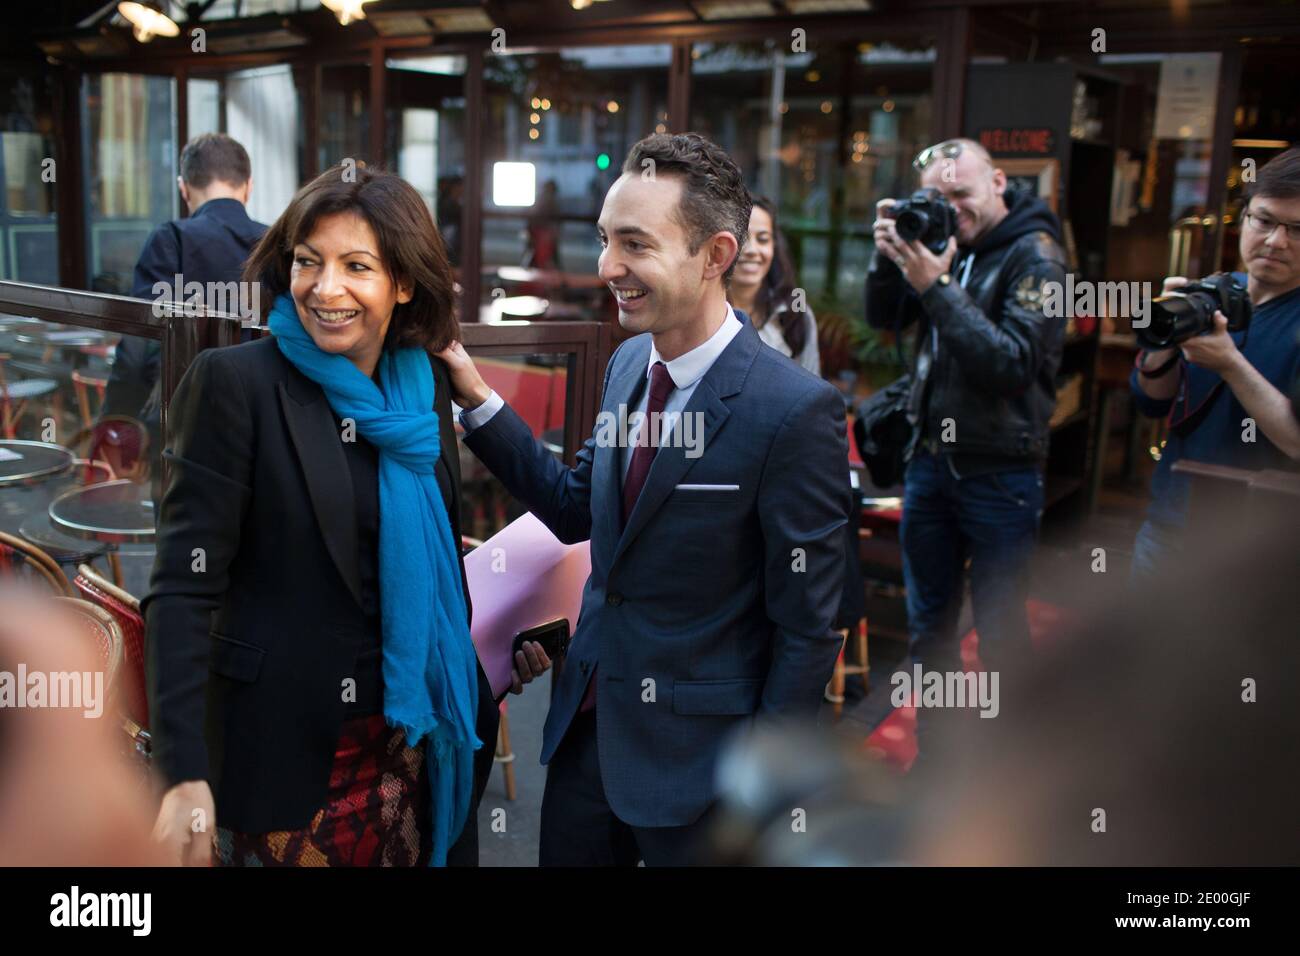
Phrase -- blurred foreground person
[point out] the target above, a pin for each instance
(1163, 734)
(68, 796)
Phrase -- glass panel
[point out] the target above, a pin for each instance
(344, 114)
(203, 103)
(28, 229)
(130, 171)
(52, 384)
(425, 123)
(535, 387)
(563, 121)
(824, 134)
(262, 114)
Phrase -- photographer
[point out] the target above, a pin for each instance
(1208, 420)
(982, 394)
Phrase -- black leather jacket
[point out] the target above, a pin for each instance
(986, 355)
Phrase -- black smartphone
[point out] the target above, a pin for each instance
(553, 636)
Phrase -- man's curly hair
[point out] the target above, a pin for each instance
(714, 196)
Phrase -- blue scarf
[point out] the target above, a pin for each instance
(430, 675)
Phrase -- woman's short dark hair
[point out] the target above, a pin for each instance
(1279, 178)
(777, 288)
(409, 245)
(210, 156)
(714, 198)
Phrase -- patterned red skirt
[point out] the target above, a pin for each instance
(376, 812)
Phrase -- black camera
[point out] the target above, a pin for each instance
(1180, 315)
(927, 216)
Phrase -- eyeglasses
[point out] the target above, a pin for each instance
(1265, 225)
(948, 150)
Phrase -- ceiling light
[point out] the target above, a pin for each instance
(148, 21)
(347, 10)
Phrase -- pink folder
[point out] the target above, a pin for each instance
(520, 577)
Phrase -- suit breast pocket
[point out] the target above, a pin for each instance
(704, 494)
(235, 659)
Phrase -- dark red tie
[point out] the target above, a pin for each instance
(661, 384)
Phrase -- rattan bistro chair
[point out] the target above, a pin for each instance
(22, 560)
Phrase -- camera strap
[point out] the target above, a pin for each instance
(1190, 422)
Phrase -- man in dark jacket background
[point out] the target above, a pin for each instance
(208, 247)
(983, 392)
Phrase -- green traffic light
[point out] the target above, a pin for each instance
(602, 161)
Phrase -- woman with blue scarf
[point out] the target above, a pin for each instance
(315, 697)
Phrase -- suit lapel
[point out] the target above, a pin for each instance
(319, 446)
(724, 379)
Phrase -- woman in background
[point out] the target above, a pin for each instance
(763, 287)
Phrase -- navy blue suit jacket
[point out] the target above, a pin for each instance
(210, 246)
(711, 607)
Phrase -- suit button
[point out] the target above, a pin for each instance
(614, 600)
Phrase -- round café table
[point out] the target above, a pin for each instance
(63, 338)
(30, 462)
(114, 511)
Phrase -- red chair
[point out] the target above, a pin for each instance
(526, 387)
(125, 610)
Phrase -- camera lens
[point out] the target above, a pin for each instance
(911, 224)
(1177, 317)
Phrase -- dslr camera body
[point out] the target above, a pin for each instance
(925, 216)
(1189, 312)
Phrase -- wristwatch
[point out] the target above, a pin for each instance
(944, 279)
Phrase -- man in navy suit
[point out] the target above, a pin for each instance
(209, 248)
(716, 531)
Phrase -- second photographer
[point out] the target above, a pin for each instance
(1218, 358)
(967, 261)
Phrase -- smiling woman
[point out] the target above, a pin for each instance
(314, 685)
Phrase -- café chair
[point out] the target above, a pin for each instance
(82, 384)
(14, 397)
(21, 559)
(835, 689)
(504, 755)
(125, 609)
(102, 631)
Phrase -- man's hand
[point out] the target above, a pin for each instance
(530, 663)
(468, 390)
(920, 266)
(1215, 350)
(185, 834)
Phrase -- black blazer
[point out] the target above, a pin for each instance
(254, 616)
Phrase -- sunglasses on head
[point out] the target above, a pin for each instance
(948, 150)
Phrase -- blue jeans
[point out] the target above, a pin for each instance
(993, 520)
(1151, 550)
